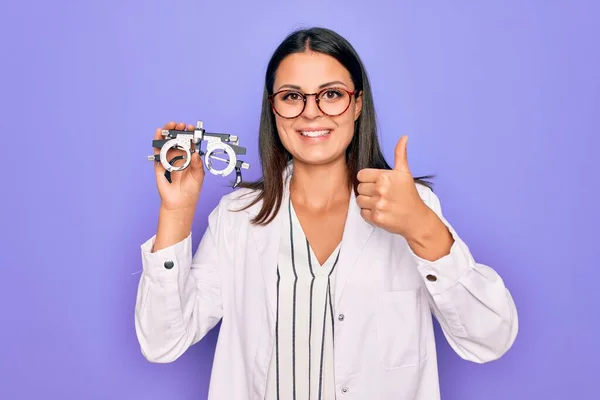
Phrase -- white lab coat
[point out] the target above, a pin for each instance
(384, 343)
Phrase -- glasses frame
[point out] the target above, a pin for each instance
(271, 98)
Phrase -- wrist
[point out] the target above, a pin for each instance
(181, 213)
(173, 227)
(423, 226)
(431, 238)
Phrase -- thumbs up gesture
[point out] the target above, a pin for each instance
(389, 198)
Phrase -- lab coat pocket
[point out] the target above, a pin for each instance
(400, 328)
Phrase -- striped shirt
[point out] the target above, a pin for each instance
(302, 366)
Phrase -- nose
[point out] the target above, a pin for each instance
(311, 109)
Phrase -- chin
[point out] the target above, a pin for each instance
(318, 158)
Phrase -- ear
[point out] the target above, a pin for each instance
(358, 106)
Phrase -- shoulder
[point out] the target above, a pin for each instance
(232, 210)
(237, 204)
(238, 198)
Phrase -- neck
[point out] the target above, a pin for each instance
(320, 187)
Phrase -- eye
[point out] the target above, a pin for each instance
(291, 96)
(332, 94)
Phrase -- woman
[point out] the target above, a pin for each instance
(326, 272)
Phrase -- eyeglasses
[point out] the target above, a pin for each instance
(291, 103)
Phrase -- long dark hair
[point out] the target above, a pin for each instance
(363, 151)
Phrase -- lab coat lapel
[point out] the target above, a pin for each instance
(357, 232)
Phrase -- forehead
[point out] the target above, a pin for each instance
(309, 70)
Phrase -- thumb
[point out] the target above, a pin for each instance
(197, 166)
(401, 157)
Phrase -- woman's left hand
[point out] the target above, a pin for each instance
(389, 198)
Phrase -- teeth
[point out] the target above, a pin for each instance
(314, 133)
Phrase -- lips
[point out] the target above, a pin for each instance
(314, 133)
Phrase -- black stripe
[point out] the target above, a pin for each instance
(294, 310)
(277, 332)
(312, 283)
(323, 345)
(309, 258)
(329, 294)
(331, 311)
(335, 262)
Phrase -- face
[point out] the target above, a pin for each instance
(314, 137)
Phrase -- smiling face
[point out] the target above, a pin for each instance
(314, 137)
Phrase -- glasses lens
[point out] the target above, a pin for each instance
(288, 104)
(333, 101)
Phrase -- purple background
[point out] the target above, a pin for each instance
(501, 100)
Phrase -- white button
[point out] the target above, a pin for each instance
(341, 317)
(344, 390)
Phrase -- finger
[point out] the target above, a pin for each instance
(157, 136)
(180, 126)
(368, 175)
(367, 189)
(367, 215)
(401, 157)
(366, 202)
(197, 167)
(158, 168)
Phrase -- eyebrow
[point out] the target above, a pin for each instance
(324, 85)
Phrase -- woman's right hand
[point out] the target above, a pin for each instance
(184, 190)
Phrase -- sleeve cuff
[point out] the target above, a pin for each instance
(169, 262)
(447, 271)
